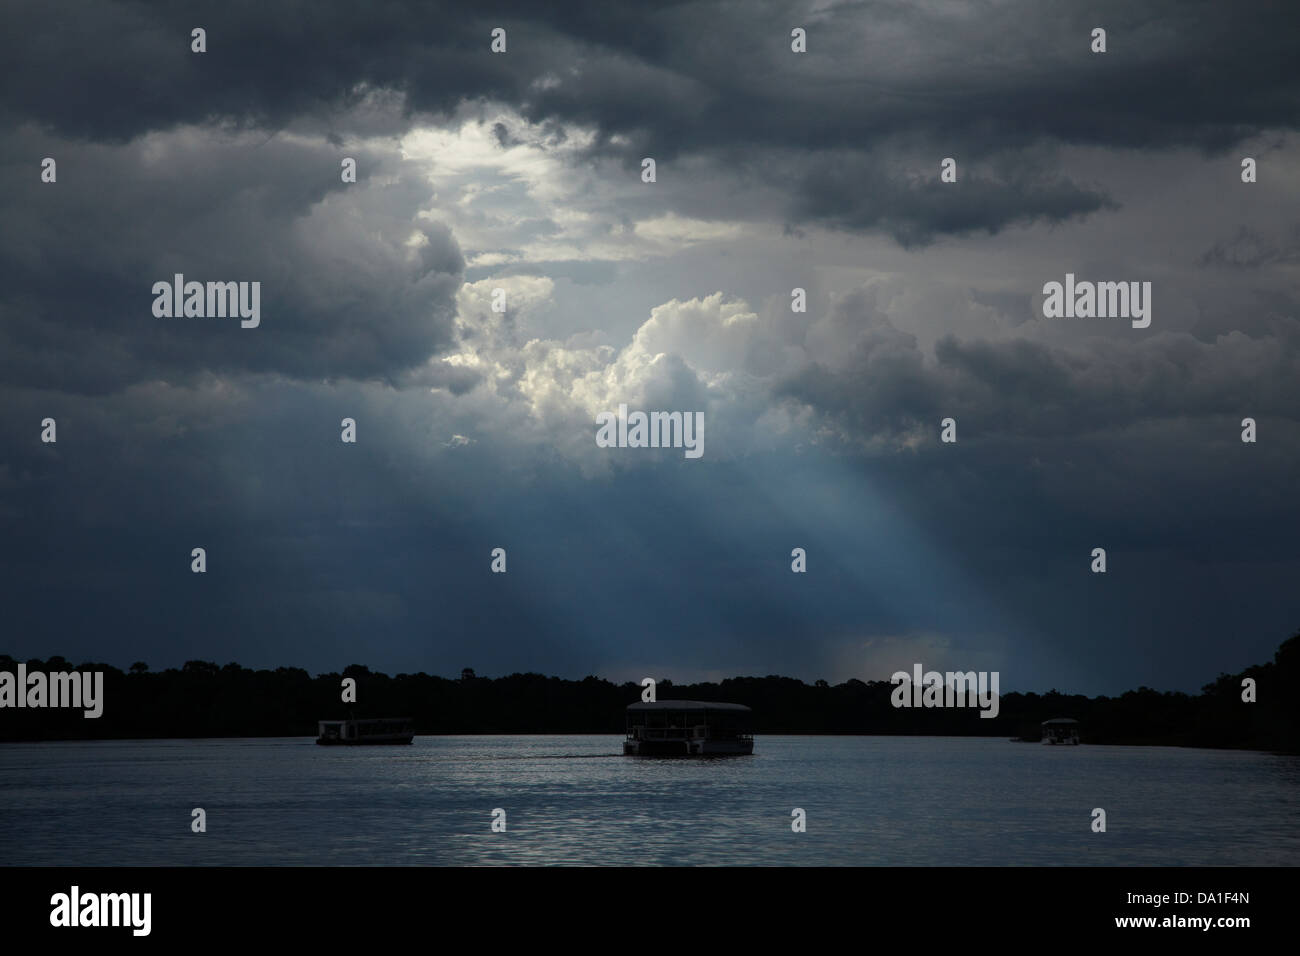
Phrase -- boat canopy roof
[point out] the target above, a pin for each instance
(1060, 720)
(684, 705)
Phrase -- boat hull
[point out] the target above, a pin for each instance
(368, 731)
(688, 748)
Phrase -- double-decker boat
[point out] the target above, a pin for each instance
(688, 728)
(385, 730)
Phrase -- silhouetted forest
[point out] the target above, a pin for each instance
(202, 699)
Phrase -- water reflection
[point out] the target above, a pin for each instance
(577, 800)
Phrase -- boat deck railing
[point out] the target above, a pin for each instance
(682, 733)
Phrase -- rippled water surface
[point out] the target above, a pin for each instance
(575, 800)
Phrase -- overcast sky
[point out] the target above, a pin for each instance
(475, 429)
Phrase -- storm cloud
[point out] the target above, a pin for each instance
(516, 178)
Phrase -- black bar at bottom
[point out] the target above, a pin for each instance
(331, 906)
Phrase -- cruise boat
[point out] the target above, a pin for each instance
(1060, 730)
(688, 728)
(388, 730)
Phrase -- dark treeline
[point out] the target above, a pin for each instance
(202, 699)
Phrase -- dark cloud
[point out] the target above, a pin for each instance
(343, 292)
(859, 191)
(177, 433)
(323, 554)
(967, 82)
(1247, 248)
(882, 385)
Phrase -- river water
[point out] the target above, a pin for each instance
(576, 800)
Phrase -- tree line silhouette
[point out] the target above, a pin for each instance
(202, 699)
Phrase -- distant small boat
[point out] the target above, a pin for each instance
(390, 730)
(1060, 730)
(688, 728)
